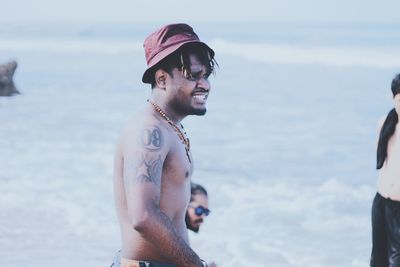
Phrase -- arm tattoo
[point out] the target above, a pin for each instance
(152, 138)
(149, 170)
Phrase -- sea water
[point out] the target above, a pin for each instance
(286, 149)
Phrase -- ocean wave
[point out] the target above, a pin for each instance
(299, 54)
(285, 223)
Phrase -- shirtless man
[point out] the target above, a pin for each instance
(153, 161)
(386, 205)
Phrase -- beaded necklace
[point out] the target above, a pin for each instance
(181, 135)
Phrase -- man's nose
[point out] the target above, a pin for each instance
(203, 83)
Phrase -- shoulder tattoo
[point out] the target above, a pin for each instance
(152, 138)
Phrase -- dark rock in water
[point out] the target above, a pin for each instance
(7, 87)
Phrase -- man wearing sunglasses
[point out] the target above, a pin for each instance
(197, 210)
(198, 207)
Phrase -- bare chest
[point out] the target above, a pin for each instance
(393, 149)
(179, 163)
(175, 187)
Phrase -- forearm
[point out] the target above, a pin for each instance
(158, 229)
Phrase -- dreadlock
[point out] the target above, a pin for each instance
(180, 59)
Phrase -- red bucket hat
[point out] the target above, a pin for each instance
(164, 42)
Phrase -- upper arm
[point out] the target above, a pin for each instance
(144, 154)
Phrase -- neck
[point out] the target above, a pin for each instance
(178, 129)
(167, 108)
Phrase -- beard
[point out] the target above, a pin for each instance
(199, 111)
(189, 224)
(187, 109)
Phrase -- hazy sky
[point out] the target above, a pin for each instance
(206, 10)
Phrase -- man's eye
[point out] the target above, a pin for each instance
(199, 76)
(191, 78)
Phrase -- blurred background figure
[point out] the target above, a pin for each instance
(386, 204)
(197, 210)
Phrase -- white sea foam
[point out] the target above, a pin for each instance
(298, 54)
(262, 222)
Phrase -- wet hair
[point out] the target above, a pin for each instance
(181, 59)
(388, 127)
(396, 85)
(196, 189)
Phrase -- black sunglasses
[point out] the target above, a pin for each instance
(200, 210)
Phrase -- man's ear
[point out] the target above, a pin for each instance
(161, 77)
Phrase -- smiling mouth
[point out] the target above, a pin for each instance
(200, 97)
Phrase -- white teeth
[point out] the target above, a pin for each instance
(200, 97)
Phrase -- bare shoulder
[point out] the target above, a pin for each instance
(143, 148)
(144, 131)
